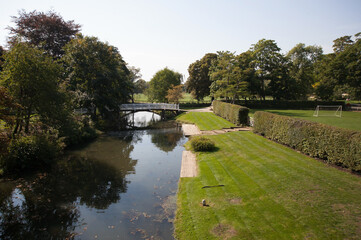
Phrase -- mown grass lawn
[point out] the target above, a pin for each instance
(349, 120)
(205, 120)
(270, 192)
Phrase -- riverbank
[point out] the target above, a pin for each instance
(264, 190)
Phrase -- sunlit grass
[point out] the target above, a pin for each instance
(349, 120)
(205, 120)
(269, 192)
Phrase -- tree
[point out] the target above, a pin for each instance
(266, 58)
(341, 43)
(98, 74)
(325, 83)
(134, 75)
(348, 64)
(7, 106)
(2, 52)
(198, 82)
(302, 61)
(175, 94)
(282, 86)
(161, 82)
(230, 75)
(48, 31)
(340, 72)
(140, 86)
(31, 78)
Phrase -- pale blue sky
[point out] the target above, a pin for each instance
(153, 34)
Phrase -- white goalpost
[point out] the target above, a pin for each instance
(328, 110)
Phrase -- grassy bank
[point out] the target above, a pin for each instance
(349, 120)
(269, 192)
(205, 120)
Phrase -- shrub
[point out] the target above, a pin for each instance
(202, 144)
(31, 152)
(77, 130)
(234, 113)
(334, 145)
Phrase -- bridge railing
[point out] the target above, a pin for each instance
(148, 106)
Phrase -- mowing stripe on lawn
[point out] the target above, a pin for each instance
(262, 207)
(246, 212)
(282, 194)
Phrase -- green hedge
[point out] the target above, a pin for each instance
(234, 113)
(338, 146)
(284, 104)
(189, 105)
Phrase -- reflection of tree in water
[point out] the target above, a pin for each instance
(44, 206)
(166, 139)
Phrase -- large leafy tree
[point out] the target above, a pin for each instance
(282, 86)
(302, 62)
(198, 82)
(31, 78)
(340, 72)
(161, 82)
(231, 75)
(325, 83)
(98, 75)
(266, 58)
(140, 86)
(48, 31)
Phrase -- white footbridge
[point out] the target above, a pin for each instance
(135, 107)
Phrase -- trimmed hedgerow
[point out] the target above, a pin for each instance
(234, 113)
(202, 144)
(286, 104)
(335, 145)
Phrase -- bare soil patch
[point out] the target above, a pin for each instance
(224, 231)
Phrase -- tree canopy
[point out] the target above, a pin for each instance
(302, 63)
(48, 31)
(98, 75)
(229, 76)
(198, 82)
(31, 79)
(161, 82)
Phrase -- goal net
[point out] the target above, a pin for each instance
(330, 111)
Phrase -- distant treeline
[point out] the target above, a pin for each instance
(263, 70)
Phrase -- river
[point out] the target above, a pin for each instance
(121, 186)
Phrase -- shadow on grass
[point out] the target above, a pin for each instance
(213, 150)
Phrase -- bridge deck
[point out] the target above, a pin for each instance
(148, 106)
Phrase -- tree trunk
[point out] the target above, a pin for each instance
(27, 121)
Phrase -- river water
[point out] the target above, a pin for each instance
(121, 186)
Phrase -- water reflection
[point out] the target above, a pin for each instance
(142, 119)
(106, 189)
(167, 139)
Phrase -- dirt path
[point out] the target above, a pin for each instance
(189, 165)
(207, 109)
(190, 130)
